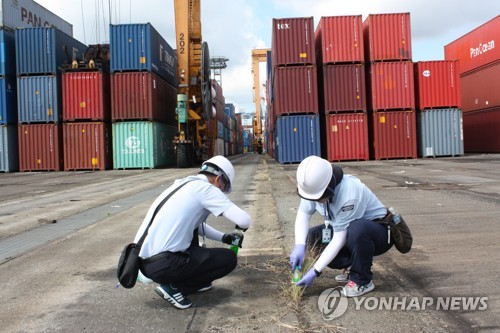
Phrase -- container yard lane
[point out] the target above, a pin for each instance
(62, 233)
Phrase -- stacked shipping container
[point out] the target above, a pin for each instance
(340, 52)
(479, 70)
(40, 55)
(391, 102)
(294, 103)
(143, 97)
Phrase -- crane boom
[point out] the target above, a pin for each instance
(258, 56)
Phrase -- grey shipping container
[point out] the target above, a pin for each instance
(8, 100)
(44, 51)
(139, 47)
(39, 99)
(440, 132)
(9, 156)
(7, 53)
(297, 137)
(27, 13)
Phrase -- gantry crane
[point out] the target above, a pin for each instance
(258, 56)
(194, 106)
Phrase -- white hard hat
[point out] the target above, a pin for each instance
(313, 176)
(219, 165)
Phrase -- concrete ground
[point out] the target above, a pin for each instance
(61, 234)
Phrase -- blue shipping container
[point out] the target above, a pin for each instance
(7, 53)
(440, 132)
(9, 153)
(44, 50)
(297, 137)
(39, 99)
(8, 101)
(139, 47)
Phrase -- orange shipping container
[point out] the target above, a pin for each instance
(391, 86)
(87, 146)
(393, 135)
(86, 95)
(387, 37)
(40, 147)
(437, 84)
(339, 39)
(346, 137)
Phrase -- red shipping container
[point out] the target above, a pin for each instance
(481, 131)
(293, 41)
(87, 146)
(295, 90)
(40, 147)
(86, 95)
(346, 137)
(387, 37)
(142, 96)
(340, 39)
(477, 48)
(437, 84)
(344, 88)
(480, 88)
(391, 86)
(394, 135)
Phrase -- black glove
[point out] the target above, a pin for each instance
(233, 238)
(240, 228)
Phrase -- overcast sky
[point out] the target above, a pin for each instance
(233, 28)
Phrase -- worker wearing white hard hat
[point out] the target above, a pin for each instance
(350, 238)
(171, 253)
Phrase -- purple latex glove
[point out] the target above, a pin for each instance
(307, 279)
(297, 255)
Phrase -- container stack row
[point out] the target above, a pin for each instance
(294, 121)
(41, 53)
(143, 97)
(479, 70)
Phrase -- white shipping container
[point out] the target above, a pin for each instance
(28, 14)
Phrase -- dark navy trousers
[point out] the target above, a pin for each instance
(365, 239)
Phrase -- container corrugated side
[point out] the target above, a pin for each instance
(387, 37)
(346, 137)
(293, 41)
(339, 39)
(295, 90)
(86, 96)
(344, 88)
(437, 84)
(43, 51)
(27, 13)
(40, 147)
(142, 96)
(481, 88)
(297, 137)
(476, 48)
(9, 151)
(440, 132)
(87, 146)
(7, 53)
(391, 86)
(481, 130)
(39, 99)
(142, 145)
(139, 47)
(394, 135)
(8, 100)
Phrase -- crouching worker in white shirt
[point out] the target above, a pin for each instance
(171, 253)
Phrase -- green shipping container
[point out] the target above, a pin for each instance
(142, 144)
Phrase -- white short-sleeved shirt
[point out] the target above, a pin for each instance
(174, 225)
(352, 200)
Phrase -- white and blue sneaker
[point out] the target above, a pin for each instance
(351, 289)
(174, 296)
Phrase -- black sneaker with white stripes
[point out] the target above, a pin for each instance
(174, 296)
